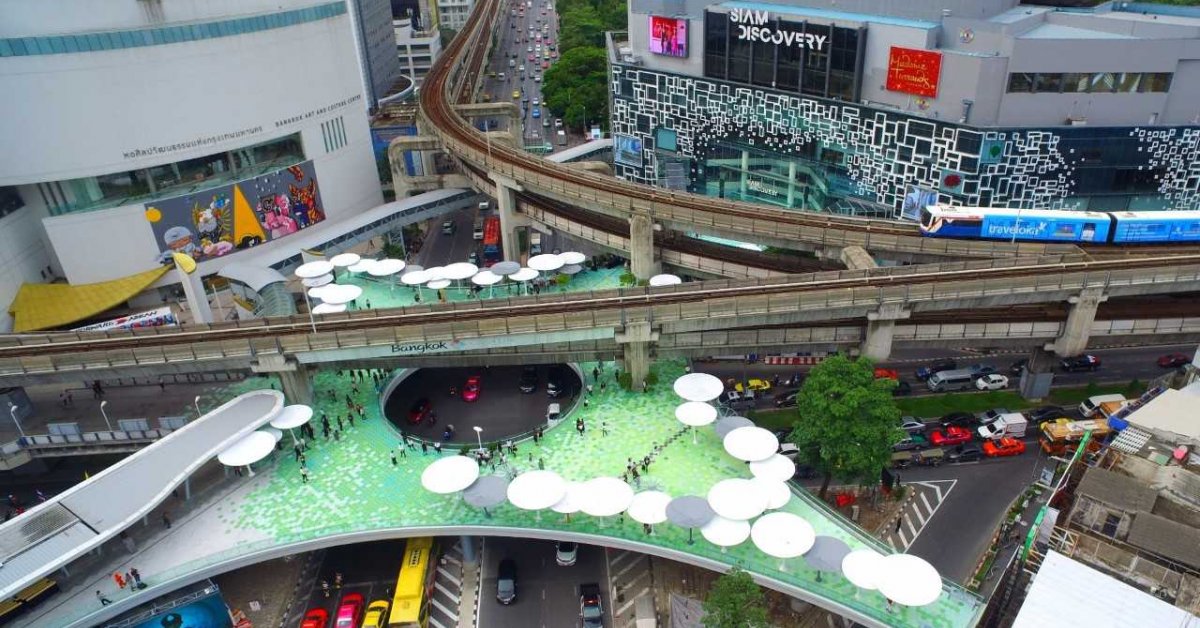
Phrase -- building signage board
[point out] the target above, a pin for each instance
(756, 26)
(668, 36)
(915, 72)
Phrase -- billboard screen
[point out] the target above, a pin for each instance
(237, 216)
(914, 200)
(627, 150)
(207, 612)
(915, 72)
(668, 36)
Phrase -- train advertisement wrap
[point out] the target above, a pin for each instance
(1009, 224)
(1160, 226)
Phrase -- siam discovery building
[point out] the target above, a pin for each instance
(876, 107)
(135, 128)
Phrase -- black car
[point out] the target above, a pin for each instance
(529, 379)
(925, 372)
(965, 453)
(959, 419)
(902, 389)
(787, 401)
(506, 582)
(591, 610)
(1017, 368)
(1045, 413)
(979, 370)
(1083, 362)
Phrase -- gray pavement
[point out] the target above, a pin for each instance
(547, 595)
(502, 409)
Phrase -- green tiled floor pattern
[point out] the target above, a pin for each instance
(380, 293)
(354, 487)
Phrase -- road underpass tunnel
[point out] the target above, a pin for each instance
(506, 401)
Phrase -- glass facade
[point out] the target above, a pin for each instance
(182, 177)
(1089, 83)
(814, 59)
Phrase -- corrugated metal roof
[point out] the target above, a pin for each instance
(1175, 541)
(32, 528)
(1117, 490)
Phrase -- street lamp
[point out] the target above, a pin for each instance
(479, 436)
(12, 409)
(103, 412)
(196, 401)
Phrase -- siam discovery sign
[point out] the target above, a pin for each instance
(914, 71)
(753, 26)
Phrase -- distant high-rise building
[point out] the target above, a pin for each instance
(417, 38)
(378, 63)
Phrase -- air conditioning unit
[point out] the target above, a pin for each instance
(1077, 121)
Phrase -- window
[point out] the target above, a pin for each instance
(666, 139)
(716, 30)
(1047, 83)
(764, 63)
(1127, 82)
(1156, 82)
(787, 72)
(1111, 524)
(1074, 82)
(739, 60)
(1102, 82)
(10, 200)
(1020, 83)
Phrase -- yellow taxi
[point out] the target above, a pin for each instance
(376, 616)
(754, 384)
(516, 94)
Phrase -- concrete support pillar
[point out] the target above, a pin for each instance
(470, 555)
(193, 289)
(857, 258)
(187, 489)
(1078, 328)
(745, 173)
(636, 340)
(296, 380)
(791, 195)
(881, 325)
(642, 261)
(506, 209)
(1038, 375)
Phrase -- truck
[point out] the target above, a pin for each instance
(477, 232)
(1008, 424)
(561, 137)
(1060, 438)
(1090, 406)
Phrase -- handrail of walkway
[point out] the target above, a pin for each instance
(115, 498)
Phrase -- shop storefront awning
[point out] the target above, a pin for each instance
(41, 306)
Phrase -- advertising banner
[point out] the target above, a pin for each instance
(162, 317)
(627, 150)
(668, 36)
(207, 612)
(914, 200)
(237, 216)
(914, 71)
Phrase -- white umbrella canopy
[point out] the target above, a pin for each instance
(724, 532)
(317, 291)
(337, 294)
(778, 494)
(737, 499)
(318, 281)
(698, 387)
(572, 500)
(250, 449)
(782, 535)
(751, 443)
(525, 274)
(438, 284)
(436, 272)
(536, 490)
(777, 467)
(605, 496)
(571, 269)
(908, 580)
(329, 308)
(826, 554)
(292, 416)
(386, 267)
(460, 270)
(362, 266)
(862, 568)
(275, 433)
(505, 268)
(665, 280)
(695, 413)
(486, 278)
(572, 257)
(415, 278)
(345, 260)
(649, 507)
(313, 269)
(730, 423)
(450, 474)
(545, 262)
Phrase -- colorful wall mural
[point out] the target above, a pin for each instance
(230, 218)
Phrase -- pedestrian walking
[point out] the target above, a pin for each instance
(337, 436)
(303, 446)
(586, 403)
(437, 448)
(394, 463)
(541, 463)
(351, 418)
(590, 389)
(602, 385)
(579, 426)
(137, 577)
(129, 580)
(604, 428)
(535, 437)
(304, 474)
(403, 451)
(646, 528)
(325, 587)
(103, 600)
(899, 520)
(166, 519)
(341, 426)
(424, 448)
(303, 460)
(596, 374)
(325, 431)
(296, 450)
(120, 580)
(337, 580)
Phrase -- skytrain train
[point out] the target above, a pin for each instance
(1058, 225)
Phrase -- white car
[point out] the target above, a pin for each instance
(994, 381)
(566, 553)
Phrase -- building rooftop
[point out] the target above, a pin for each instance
(1060, 31)
(1117, 490)
(825, 14)
(1172, 411)
(1172, 540)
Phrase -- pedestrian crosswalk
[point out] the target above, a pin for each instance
(629, 578)
(447, 588)
(926, 498)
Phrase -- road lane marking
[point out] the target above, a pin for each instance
(442, 571)
(911, 528)
(626, 569)
(629, 604)
(925, 499)
(953, 483)
(440, 587)
(447, 612)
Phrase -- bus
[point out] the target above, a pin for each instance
(491, 241)
(414, 585)
(26, 599)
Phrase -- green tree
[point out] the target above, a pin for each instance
(847, 420)
(581, 27)
(735, 601)
(576, 88)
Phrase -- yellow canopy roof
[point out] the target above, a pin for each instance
(41, 306)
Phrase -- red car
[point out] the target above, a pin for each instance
(471, 389)
(315, 618)
(882, 373)
(350, 611)
(1173, 360)
(1004, 447)
(419, 410)
(545, 65)
(950, 436)
(531, 57)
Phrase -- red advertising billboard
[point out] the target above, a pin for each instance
(914, 71)
(668, 36)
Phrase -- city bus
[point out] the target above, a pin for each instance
(491, 241)
(414, 585)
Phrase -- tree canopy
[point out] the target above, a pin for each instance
(847, 420)
(735, 601)
(576, 88)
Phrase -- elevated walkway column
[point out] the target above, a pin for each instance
(881, 326)
(857, 258)
(1038, 375)
(636, 340)
(295, 377)
(506, 207)
(1078, 328)
(641, 247)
